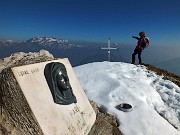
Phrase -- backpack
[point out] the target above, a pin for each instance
(145, 42)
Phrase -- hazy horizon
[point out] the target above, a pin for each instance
(166, 57)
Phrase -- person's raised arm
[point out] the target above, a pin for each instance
(135, 37)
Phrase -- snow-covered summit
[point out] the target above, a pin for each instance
(155, 101)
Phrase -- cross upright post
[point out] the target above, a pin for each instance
(109, 48)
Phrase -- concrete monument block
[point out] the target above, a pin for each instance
(74, 118)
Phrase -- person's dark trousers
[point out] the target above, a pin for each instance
(134, 54)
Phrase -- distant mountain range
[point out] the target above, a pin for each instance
(82, 52)
(47, 41)
(43, 41)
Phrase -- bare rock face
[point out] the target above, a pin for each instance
(16, 117)
(20, 58)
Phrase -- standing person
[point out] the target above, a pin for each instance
(142, 43)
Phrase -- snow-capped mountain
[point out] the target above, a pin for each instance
(41, 40)
(46, 40)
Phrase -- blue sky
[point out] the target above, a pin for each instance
(91, 20)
